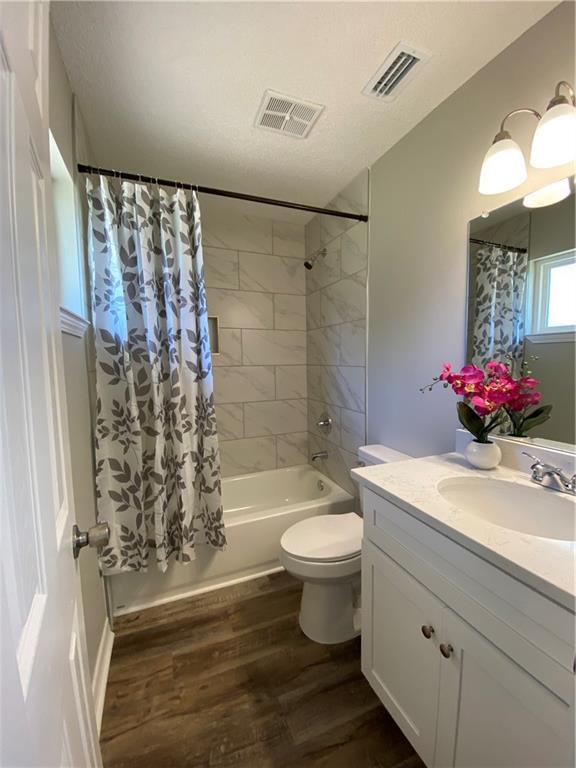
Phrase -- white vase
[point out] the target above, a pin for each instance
(483, 455)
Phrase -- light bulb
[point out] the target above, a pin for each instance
(554, 141)
(548, 195)
(503, 168)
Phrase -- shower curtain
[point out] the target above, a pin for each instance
(498, 322)
(157, 460)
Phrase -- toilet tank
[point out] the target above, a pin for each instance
(379, 454)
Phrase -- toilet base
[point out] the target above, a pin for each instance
(330, 612)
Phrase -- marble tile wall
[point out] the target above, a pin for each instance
(256, 286)
(336, 333)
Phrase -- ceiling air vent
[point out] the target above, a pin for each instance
(284, 114)
(395, 73)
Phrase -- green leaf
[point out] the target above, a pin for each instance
(541, 410)
(537, 417)
(470, 420)
(490, 424)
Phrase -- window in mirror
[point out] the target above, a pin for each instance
(552, 287)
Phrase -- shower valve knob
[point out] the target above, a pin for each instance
(325, 423)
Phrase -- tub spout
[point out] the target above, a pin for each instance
(319, 455)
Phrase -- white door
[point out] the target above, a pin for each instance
(493, 713)
(401, 631)
(47, 710)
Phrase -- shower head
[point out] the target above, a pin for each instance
(309, 263)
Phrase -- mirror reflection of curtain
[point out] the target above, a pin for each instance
(498, 322)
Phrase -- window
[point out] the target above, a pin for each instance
(552, 294)
(70, 254)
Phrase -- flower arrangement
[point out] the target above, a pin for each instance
(494, 397)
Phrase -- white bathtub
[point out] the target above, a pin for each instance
(258, 508)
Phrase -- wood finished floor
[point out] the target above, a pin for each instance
(228, 679)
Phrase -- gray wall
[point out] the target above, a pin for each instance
(552, 231)
(554, 367)
(423, 194)
(66, 132)
(336, 323)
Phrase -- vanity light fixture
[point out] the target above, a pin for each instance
(548, 195)
(554, 143)
(504, 167)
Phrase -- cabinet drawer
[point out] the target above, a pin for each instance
(537, 633)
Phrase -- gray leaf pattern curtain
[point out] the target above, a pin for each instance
(157, 460)
(498, 322)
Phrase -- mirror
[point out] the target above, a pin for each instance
(522, 302)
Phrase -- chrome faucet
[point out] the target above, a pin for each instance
(552, 477)
(325, 422)
(319, 455)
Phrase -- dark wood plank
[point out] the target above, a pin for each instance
(228, 679)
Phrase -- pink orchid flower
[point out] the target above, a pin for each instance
(446, 372)
(523, 400)
(483, 406)
(495, 368)
(501, 388)
(467, 381)
(527, 382)
(490, 392)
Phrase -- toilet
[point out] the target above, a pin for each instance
(325, 553)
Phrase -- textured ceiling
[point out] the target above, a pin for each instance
(172, 89)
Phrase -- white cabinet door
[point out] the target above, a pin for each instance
(401, 664)
(45, 698)
(494, 714)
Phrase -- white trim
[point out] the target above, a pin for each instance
(568, 337)
(538, 293)
(141, 605)
(101, 669)
(73, 324)
(553, 452)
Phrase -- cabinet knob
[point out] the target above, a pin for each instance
(427, 630)
(446, 650)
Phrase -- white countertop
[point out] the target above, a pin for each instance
(547, 565)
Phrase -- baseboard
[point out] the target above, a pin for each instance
(101, 669)
(141, 605)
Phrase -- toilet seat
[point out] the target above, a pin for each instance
(324, 538)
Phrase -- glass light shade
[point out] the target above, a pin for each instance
(503, 168)
(554, 141)
(548, 195)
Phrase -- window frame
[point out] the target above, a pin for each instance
(538, 298)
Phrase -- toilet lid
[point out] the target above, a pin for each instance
(324, 537)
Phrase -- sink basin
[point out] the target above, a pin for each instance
(532, 510)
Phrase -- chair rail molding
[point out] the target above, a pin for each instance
(73, 324)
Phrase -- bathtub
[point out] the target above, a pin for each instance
(258, 508)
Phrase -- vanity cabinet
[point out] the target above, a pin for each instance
(402, 666)
(471, 679)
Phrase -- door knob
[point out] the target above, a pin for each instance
(446, 650)
(96, 536)
(427, 630)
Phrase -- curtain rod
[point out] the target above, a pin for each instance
(498, 245)
(220, 192)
